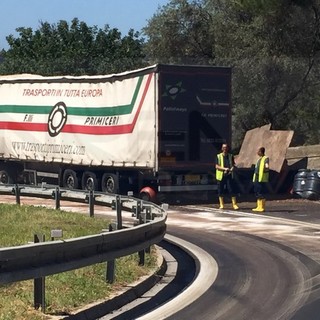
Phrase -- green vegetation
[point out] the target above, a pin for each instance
(65, 291)
(72, 49)
(273, 47)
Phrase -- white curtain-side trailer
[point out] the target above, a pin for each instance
(151, 131)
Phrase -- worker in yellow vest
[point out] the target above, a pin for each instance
(260, 179)
(225, 165)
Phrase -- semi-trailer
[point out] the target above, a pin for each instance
(152, 131)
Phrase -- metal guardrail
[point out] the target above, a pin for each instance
(42, 259)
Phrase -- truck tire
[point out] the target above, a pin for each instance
(70, 179)
(109, 183)
(89, 181)
(5, 177)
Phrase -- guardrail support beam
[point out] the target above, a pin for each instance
(16, 191)
(57, 197)
(111, 264)
(119, 208)
(142, 220)
(91, 203)
(39, 283)
(110, 271)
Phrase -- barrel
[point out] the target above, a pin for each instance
(312, 186)
(299, 183)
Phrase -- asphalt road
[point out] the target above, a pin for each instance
(269, 264)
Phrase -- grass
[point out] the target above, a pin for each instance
(66, 291)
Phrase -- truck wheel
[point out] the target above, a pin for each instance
(5, 178)
(70, 179)
(89, 181)
(109, 183)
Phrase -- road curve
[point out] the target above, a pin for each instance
(265, 271)
(200, 285)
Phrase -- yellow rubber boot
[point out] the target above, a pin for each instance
(234, 203)
(259, 205)
(221, 202)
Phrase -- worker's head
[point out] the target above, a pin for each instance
(261, 151)
(225, 148)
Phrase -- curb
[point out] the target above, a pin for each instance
(199, 286)
(202, 282)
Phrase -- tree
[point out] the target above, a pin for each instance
(75, 49)
(276, 64)
(271, 45)
(179, 33)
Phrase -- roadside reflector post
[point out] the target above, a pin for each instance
(39, 283)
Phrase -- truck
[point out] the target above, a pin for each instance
(150, 131)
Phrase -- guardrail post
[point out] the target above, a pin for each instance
(142, 219)
(39, 283)
(148, 213)
(57, 197)
(119, 208)
(148, 217)
(111, 263)
(91, 203)
(138, 210)
(16, 191)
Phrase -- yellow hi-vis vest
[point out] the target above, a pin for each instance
(263, 175)
(219, 173)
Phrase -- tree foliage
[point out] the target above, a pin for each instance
(280, 66)
(178, 34)
(75, 49)
(272, 46)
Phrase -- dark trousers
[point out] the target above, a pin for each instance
(260, 188)
(226, 185)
